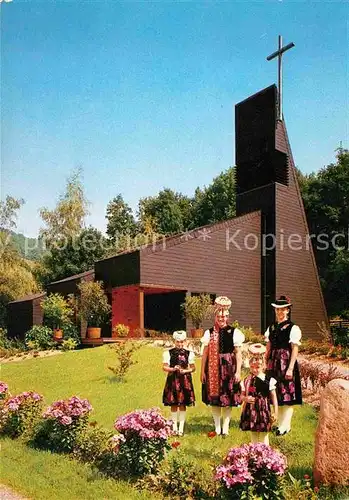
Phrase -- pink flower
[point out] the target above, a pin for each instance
(66, 420)
(73, 408)
(241, 464)
(3, 388)
(148, 424)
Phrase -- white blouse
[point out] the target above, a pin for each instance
(295, 335)
(166, 357)
(238, 340)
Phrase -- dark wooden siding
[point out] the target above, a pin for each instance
(69, 285)
(22, 315)
(297, 273)
(209, 263)
(120, 270)
(38, 314)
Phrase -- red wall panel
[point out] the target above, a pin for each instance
(125, 307)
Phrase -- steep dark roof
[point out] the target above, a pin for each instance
(26, 298)
(74, 277)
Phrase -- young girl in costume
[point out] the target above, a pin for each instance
(283, 339)
(178, 393)
(221, 366)
(257, 392)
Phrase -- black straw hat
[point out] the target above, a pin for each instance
(282, 301)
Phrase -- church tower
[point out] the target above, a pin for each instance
(266, 181)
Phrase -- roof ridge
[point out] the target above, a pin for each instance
(197, 232)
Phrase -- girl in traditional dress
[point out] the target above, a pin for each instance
(283, 338)
(221, 366)
(179, 391)
(257, 391)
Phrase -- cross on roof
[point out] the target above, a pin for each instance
(278, 54)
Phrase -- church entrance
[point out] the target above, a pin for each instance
(162, 311)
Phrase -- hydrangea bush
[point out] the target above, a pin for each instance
(19, 414)
(141, 444)
(253, 469)
(63, 422)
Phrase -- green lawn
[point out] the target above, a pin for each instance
(84, 373)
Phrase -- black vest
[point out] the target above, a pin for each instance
(279, 335)
(261, 386)
(179, 357)
(226, 339)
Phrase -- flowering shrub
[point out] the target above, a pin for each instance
(63, 422)
(142, 442)
(253, 469)
(3, 390)
(19, 414)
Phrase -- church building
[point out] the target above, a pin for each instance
(263, 252)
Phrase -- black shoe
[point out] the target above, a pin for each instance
(278, 433)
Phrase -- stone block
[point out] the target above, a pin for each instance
(331, 465)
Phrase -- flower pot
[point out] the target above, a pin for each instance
(57, 333)
(196, 333)
(93, 333)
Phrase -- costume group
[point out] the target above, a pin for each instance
(269, 383)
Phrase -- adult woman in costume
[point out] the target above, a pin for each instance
(283, 338)
(221, 366)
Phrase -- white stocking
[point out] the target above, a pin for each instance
(264, 437)
(288, 417)
(181, 422)
(226, 413)
(174, 418)
(216, 413)
(285, 417)
(254, 437)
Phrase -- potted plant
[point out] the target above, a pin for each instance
(120, 330)
(93, 307)
(57, 312)
(197, 308)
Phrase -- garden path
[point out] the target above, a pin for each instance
(8, 494)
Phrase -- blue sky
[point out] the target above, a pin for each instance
(142, 94)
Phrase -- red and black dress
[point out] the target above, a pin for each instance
(256, 417)
(179, 390)
(219, 388)
(281, 337)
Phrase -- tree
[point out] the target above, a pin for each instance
(8, 212)
(337, 285)
(216, 202)
(120, 219)
(67, 219)
(16, 276)
(75, 256)
(169, 212)
(326, 201)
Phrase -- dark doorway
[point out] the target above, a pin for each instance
(162, 311)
